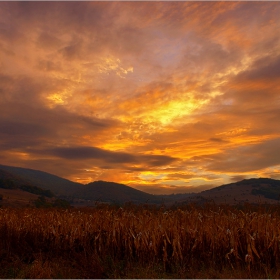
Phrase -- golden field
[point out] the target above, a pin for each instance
(140, 242)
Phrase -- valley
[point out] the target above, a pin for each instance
(13, 181)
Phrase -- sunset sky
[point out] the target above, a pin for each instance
(166, 97)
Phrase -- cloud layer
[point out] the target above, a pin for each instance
(162, 96)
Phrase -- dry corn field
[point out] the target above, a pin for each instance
(174, 239)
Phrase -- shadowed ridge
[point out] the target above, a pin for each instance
(114, 192)
(44, 180)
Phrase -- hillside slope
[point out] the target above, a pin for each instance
(44, 180)
(114, 192)
(16, 198)
(98, 190)
(255, 190)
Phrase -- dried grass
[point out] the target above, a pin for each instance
(186, 238)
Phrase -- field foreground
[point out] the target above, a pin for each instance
(140, 242)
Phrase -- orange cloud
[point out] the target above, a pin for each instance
(164, 96)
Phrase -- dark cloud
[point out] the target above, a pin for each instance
(80, 153)
(23, 126)
(256, 87)
(219, 140)
(86, 153)
(19, 128)
(248, 158)
(22, 88)
(18, 134)
(265, 69)
(156, 160)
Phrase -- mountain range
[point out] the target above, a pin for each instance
(17, 179)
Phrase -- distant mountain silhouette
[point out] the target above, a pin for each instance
(114, 192)
(254, 190)
(44, 180)
(249, 190)
(269, 188)
(99, 190)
